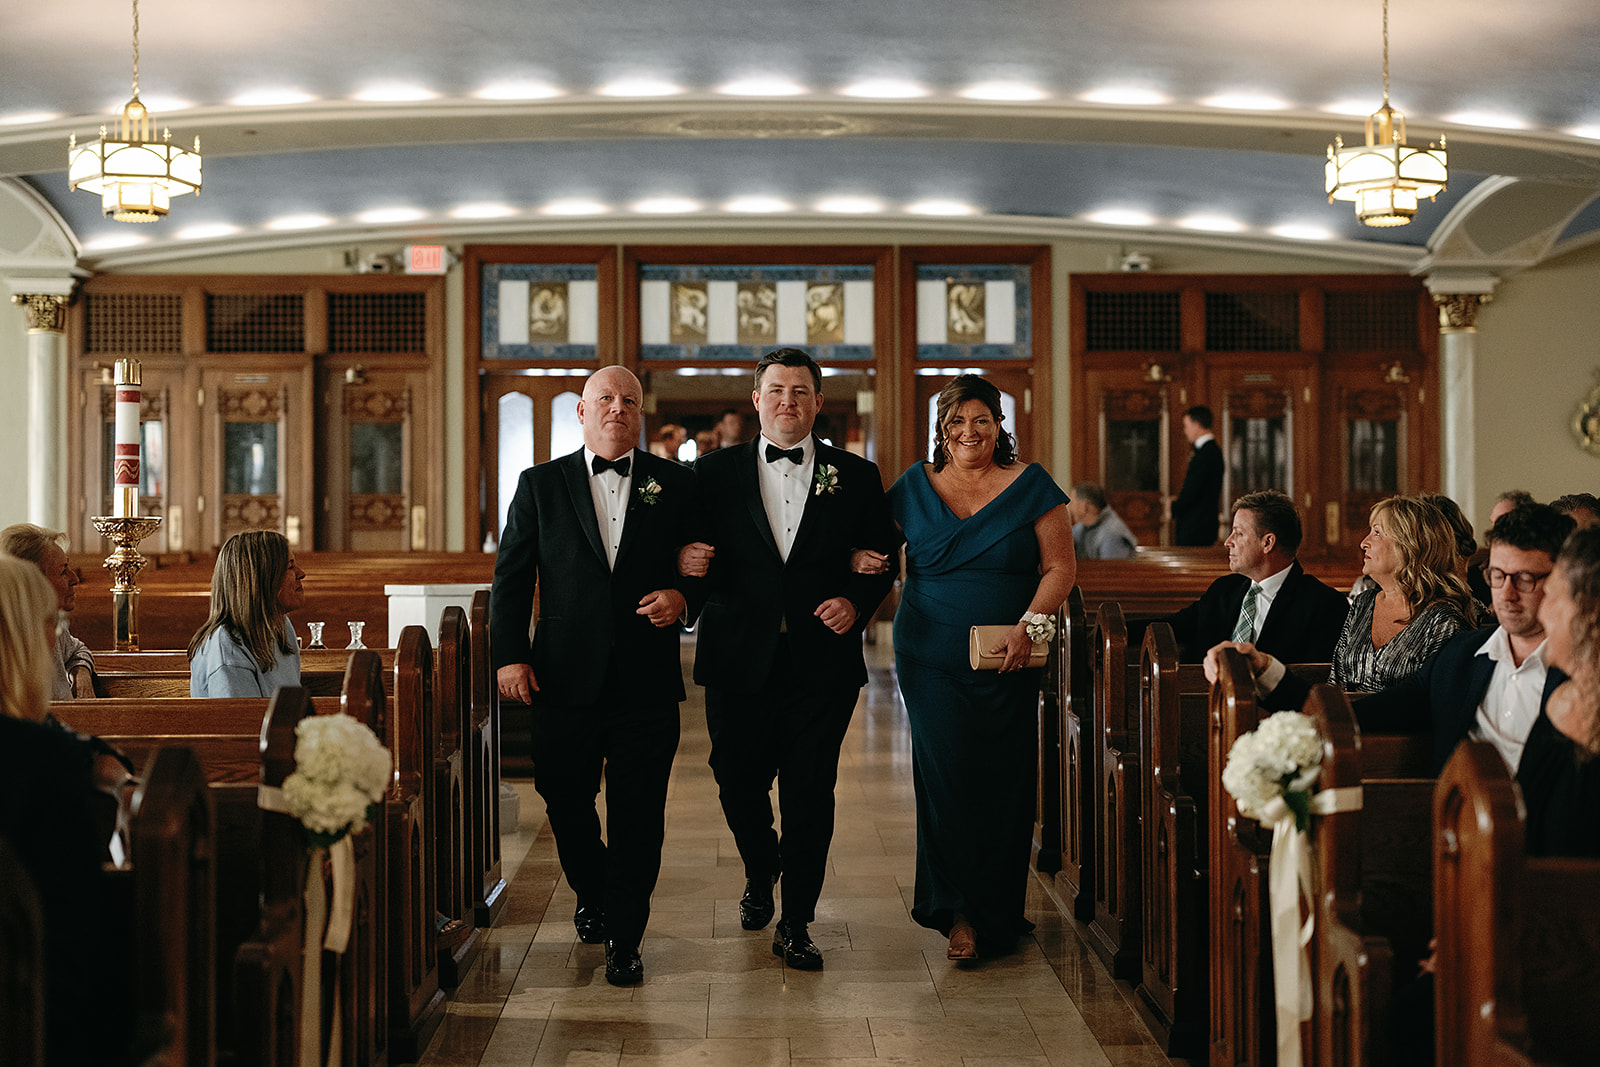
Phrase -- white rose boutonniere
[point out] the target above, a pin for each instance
(341, 773)
(827, 479)
(650, 491)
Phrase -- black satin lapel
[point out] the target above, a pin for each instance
(583, 502)
(811, 517)
(632, 515)
(748, 485)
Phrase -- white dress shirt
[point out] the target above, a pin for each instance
(609, 491)
(785, 486)
(1510, 705)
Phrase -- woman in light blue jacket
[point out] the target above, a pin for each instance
(247, 647)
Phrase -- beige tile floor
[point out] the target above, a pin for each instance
(715, 996)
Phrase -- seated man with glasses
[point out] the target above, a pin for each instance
(1490, 683)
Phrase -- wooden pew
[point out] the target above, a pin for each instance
(1516, 974)
(460, 940)
(1241, 1028)
(1078, 734)
(1160, 580)
(483, 769)
(1047, 776)
(22, 977)
(1114, 930)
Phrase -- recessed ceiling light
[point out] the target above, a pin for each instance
(762, 85)
(1211, 223)
(1121, 216)
(483, 211)
(1491, 120)
(941, 207)
(113, 241)
(1126, 96)
(1352, 107)
(299, 222)
(383, 216)
(271, 98)
(885, 89)
(206, 230)
(640, 86)
(757, 205)
(1246, 101)
(1012, 91)
(517, 91)
(395, 94)
(849, 205)
(573, 207)
(666, 205)
(1303, 231)
(1590, 133)
(22, 118)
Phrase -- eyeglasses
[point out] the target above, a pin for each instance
(1523, 581)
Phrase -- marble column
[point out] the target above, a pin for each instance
(47, 407)
(1458, 327)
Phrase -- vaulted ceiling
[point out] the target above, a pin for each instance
(1203, 121)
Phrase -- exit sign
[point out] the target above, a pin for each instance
(425, 259)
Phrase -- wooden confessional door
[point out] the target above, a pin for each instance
(1267, 426)
(1375, 448)
(166, 426)
(257, 460)
(378, 445)
(525, 420)
(1129, 441)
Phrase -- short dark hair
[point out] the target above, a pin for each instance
(1570, 502)
(959, 390)
(1201, 415)
(1090, 493)
(1516, 497)
(789, 357)
(728, 411)
(1532, 528)
(1466, 543)
(1276, 515)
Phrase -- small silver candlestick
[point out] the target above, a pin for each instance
(355, 634)
(316, 634)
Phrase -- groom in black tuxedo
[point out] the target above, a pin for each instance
(599, 531)
(779, 649)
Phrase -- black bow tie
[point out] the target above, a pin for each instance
(620, 465)
(795, 454)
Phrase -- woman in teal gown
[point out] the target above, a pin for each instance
(987, 540)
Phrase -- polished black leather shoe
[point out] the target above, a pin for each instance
(623, 965)
(755, 907)
(791, 941)
(590, 923)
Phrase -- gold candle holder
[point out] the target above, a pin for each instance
(125, 563)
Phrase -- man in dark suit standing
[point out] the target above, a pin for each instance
(779, 649)
(1194, 511)
(599, 531)
(1267, 599)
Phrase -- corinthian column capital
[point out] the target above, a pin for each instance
(1458, 312)
(47, 312)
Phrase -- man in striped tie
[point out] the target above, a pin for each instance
(1266, 599)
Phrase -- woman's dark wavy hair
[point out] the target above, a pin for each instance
(962, 388)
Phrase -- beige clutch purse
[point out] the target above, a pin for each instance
(986, 637)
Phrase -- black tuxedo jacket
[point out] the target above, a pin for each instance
(1303, 625)
(1194, 512)
(588, 610)
(751, 590)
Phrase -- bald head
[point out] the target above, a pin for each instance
(611, 412)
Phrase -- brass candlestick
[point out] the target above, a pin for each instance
(124, 564)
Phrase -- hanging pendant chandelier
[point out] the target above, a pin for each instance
(1385, 178)
(135, 175)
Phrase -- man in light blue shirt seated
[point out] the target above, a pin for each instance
(1098, 532)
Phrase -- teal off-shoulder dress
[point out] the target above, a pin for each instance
(974, 734)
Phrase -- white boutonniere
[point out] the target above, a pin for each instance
(827, 479)
(650, 491)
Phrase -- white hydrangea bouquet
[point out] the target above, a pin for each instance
(341, 773)
(1277, 761)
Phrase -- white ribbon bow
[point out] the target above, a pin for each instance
(330, 926)
(1288, 878)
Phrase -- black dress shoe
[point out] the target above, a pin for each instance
(623, 965)
(791, 941)
(590, 923)
(756, 907)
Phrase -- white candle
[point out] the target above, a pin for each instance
(125, 460)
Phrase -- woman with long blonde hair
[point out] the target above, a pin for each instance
(27, 637)
(247, 646)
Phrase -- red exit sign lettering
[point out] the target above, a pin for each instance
(426, 259)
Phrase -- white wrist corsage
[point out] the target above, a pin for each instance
(827, 479)
(1041, 627)
(650, 491)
